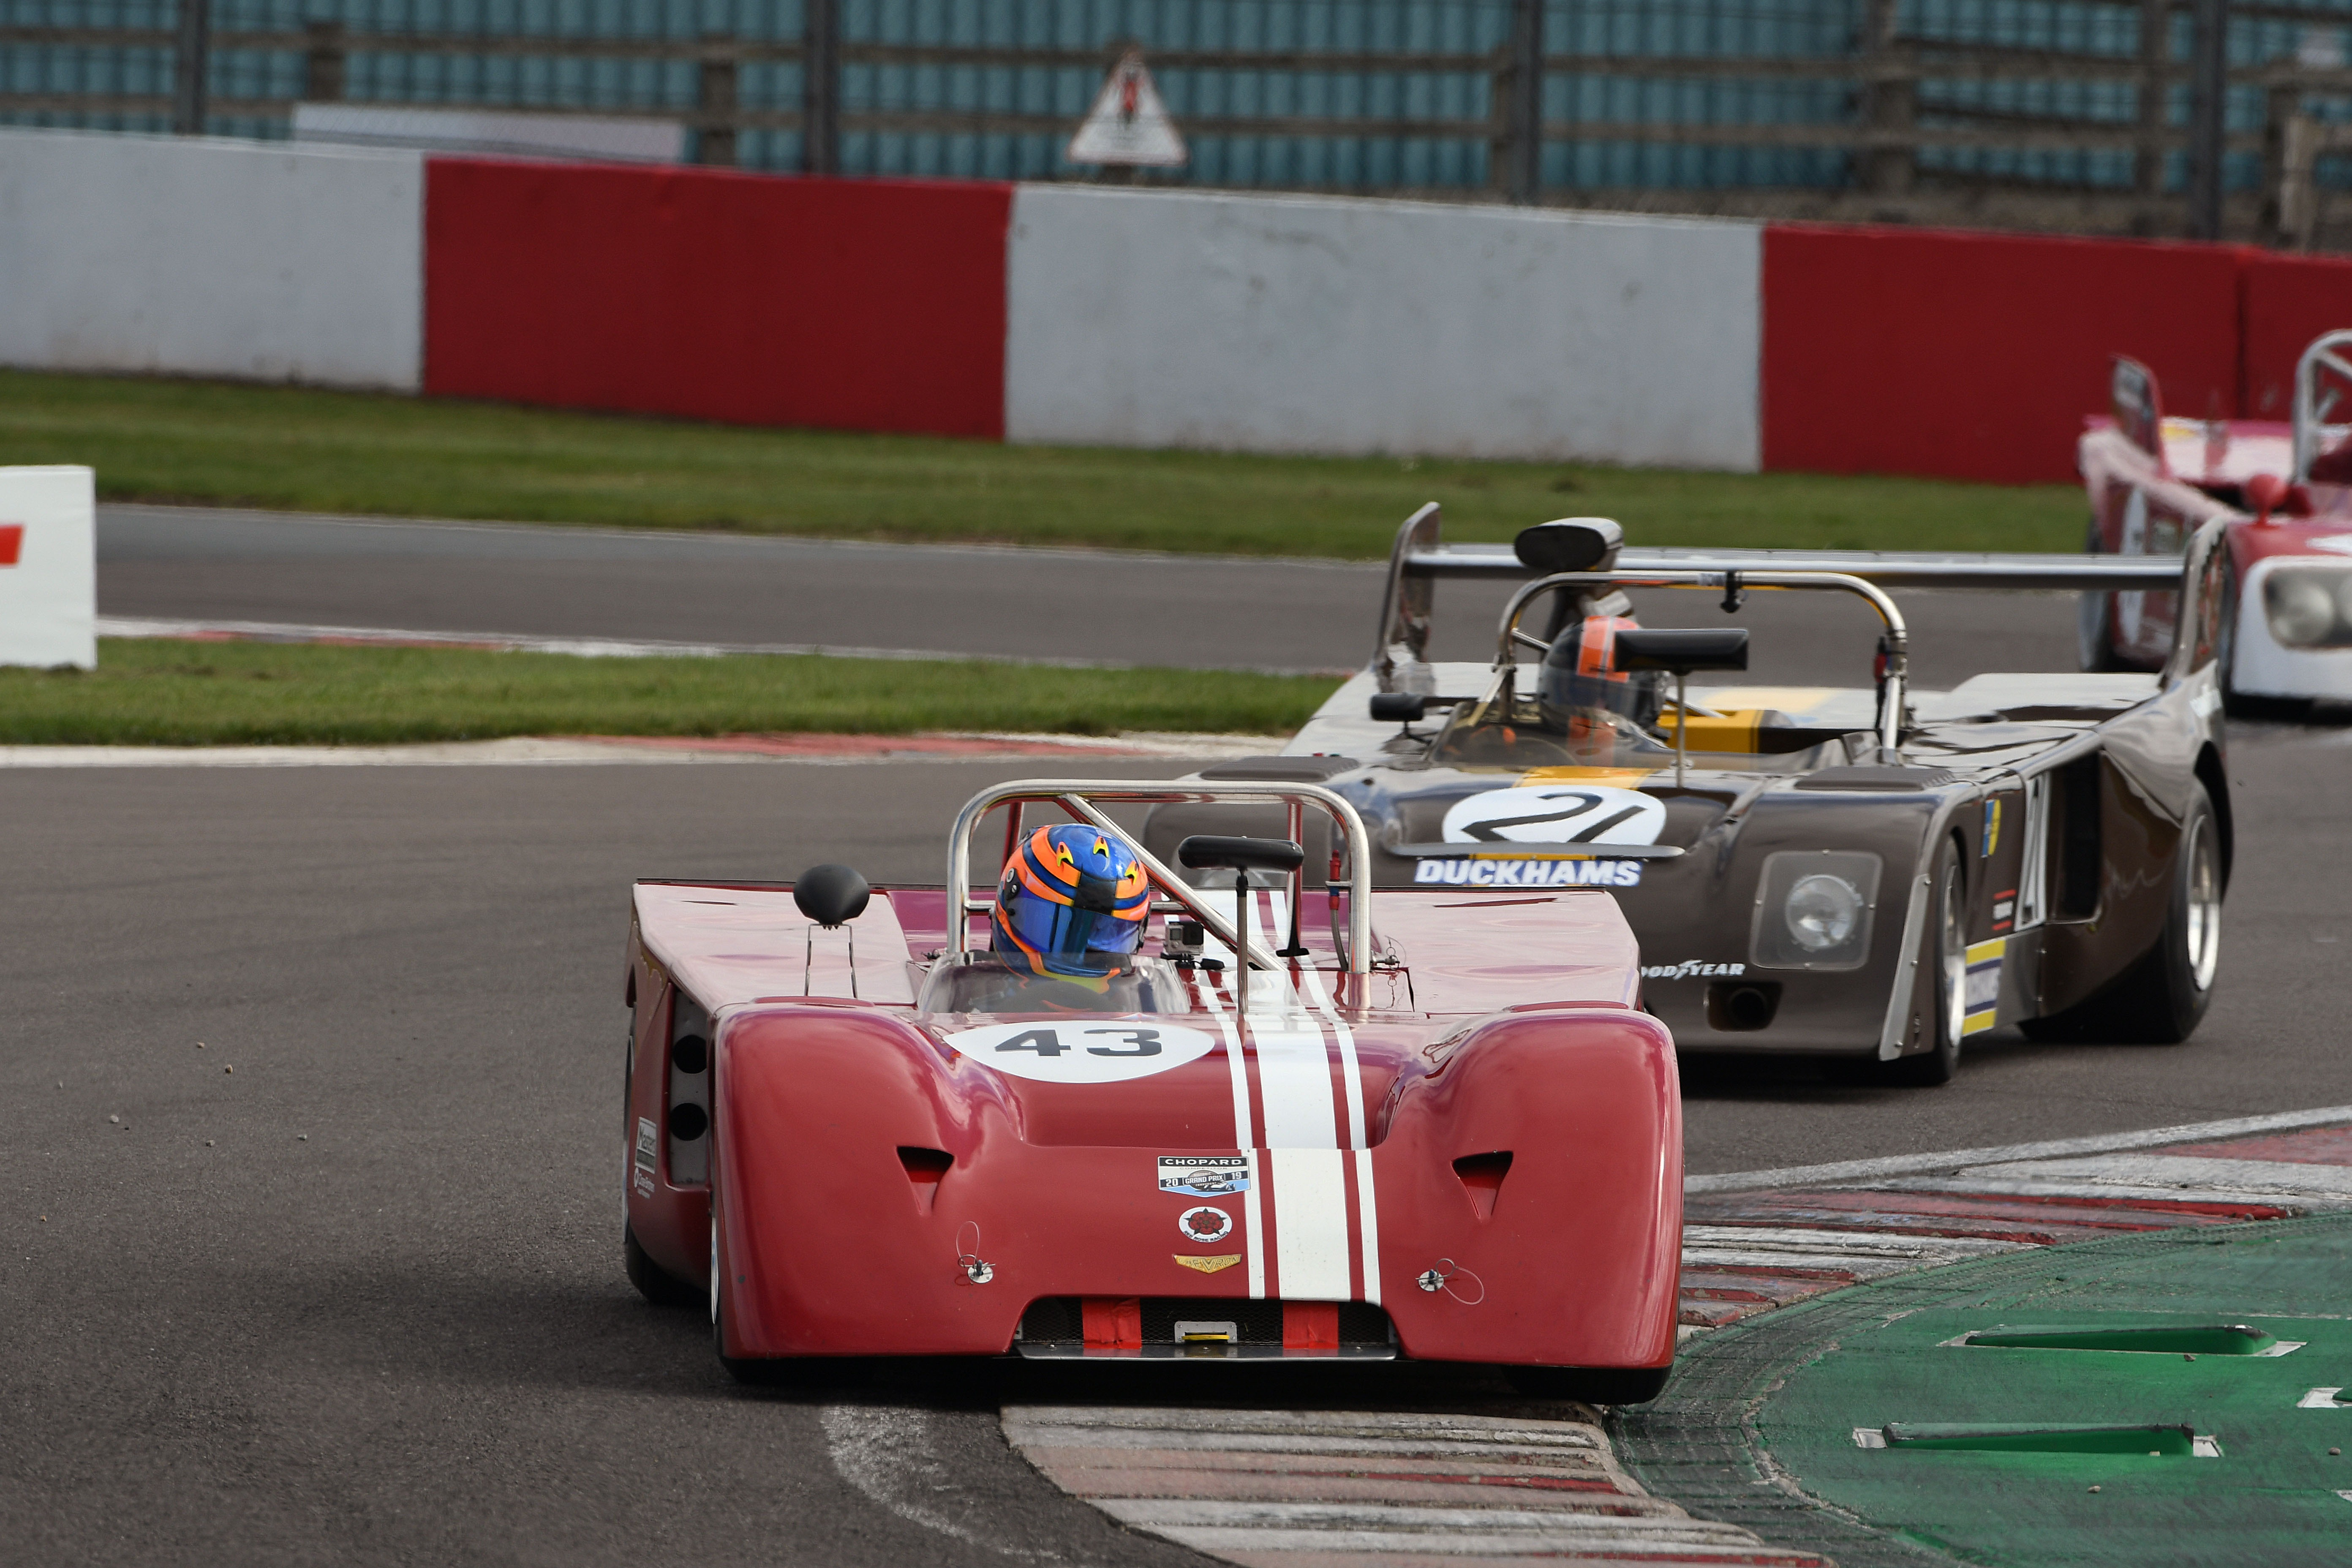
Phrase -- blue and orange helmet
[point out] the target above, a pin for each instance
(1072, 898)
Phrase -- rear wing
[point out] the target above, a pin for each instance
(1420, 558)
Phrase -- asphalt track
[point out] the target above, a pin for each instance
(359, 1300)
(196, 563)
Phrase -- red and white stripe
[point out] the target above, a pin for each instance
(1311, 1213)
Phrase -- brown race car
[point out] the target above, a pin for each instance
(1873, 873)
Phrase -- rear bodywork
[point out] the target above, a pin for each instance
(2064, 795)
(2152, 481)
(1462, 1143)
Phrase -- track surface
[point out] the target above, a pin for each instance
(193, 563)
(379, 1317)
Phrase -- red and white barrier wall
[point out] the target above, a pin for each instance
(1093, 316)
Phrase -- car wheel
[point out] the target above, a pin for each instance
(2094, 618)
(654, 1283)
(1590, 1385)
(1947, 949)
(2161, 999)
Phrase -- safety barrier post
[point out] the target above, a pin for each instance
(2209, 103)
(714, 138)
(191, 56)
(821, 89)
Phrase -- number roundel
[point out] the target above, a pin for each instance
(1083, 1050)
(1556, 814)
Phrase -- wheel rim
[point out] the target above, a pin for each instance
(1953, 949)
(2204, 906)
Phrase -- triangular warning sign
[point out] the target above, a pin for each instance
(1128, 123)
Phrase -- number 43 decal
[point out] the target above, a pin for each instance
(1048, 1042)
(1104, 1052)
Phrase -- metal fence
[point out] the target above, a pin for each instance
(2040, 113)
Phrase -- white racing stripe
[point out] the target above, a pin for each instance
(1310, 1224)
(1252, 1200)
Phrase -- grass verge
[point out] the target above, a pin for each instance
(296, 449)
(171, 693)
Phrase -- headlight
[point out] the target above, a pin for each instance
(1821, 911)
(1814, 909)
(2299, 607)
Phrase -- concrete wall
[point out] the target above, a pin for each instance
(211, 258)
(1301, 324)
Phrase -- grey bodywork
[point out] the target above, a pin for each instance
(2092, 776)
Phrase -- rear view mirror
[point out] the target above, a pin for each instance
(1569, 545)
(1680, 651)
(1205, 852)
(1398, 707)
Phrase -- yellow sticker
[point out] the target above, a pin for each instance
(1624, 778)
(1981, 991)
(1208, 1264)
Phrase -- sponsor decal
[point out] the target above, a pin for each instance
(1991, 827)
(1981, 995)
(1104, 1050)
(1209, 1265)
(649, 1154)
(1546, 873)
(1205, 1224)
(2004, 909)
(2335, 543)
(1689, 968)
(1561, 813)
(1204, 1175)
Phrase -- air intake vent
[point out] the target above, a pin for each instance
(1482, 1177)
(926, 1168)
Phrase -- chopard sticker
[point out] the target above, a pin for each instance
(1209, 1265)
(1204, 1175)
(1531, 873)
(1205, 1224)
(1688, 968)
(1556, 814)
(2335, 543)
(1981, 996)
(1085, 1050)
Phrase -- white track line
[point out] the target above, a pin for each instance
(1956, 1159)
(514, 642)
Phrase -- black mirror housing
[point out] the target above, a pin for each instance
(1680, 651)
(1206, 852)
(1398, 707)
(1569, 545)
(831, 895)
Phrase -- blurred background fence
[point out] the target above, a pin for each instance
(2066, 115)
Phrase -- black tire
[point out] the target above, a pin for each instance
(2160, 999)
(654, 1283)
(1947, 942)
(2094, 618)
(1590, 1385)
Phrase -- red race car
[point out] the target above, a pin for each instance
(1427, 1124)
(2285, 490)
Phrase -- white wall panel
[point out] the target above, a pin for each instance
(211, 258)
(1308, 325)
(48, 567)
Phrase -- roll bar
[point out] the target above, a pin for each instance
(1078, 797)
(1897, 645)
(2325, 353)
